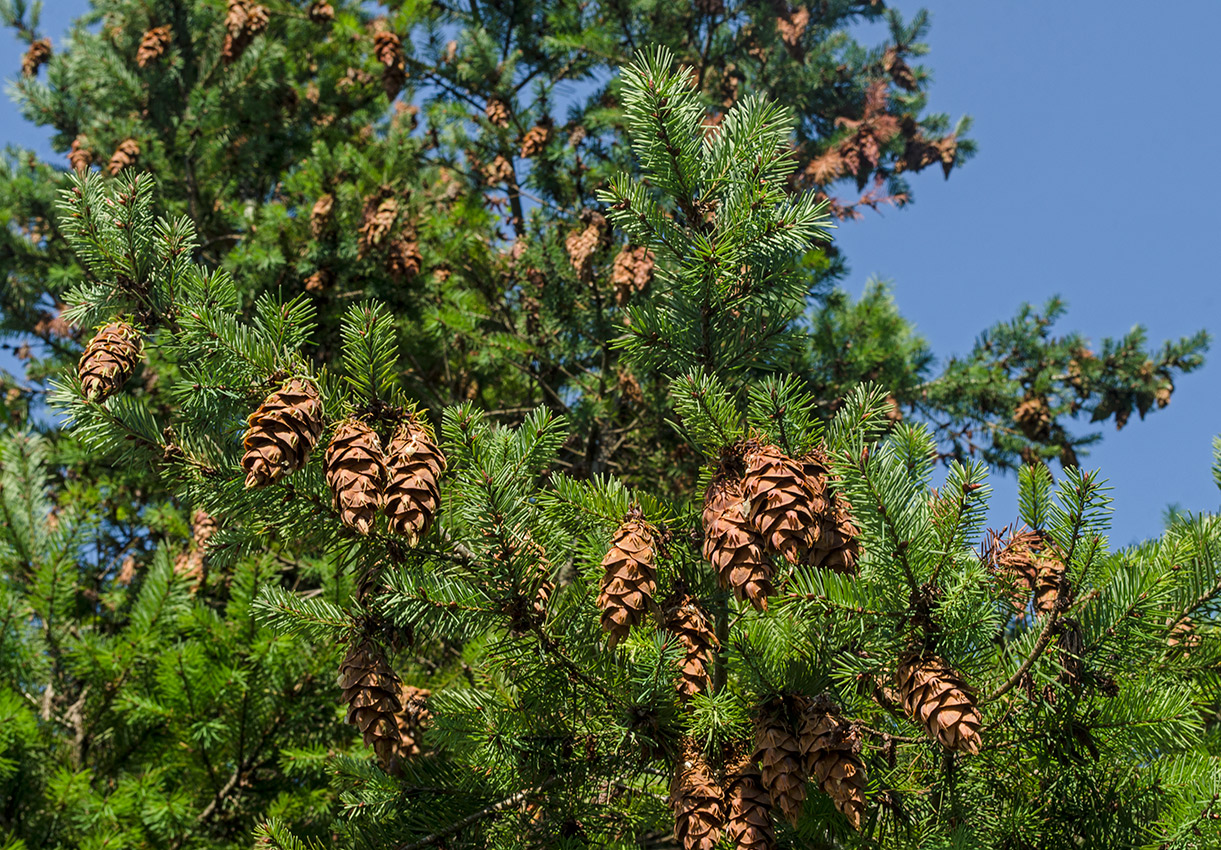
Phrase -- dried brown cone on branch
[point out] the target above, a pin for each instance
(153, 45)
(696, 799)
(582, 245)
(1028, 566)
(413, 489)
(190, 564)
(779, 756)
(411, 721)
(899, 70)
(403, 259)
(37, 54)
(320, 215)
(631, 272)
(242, 23)
(629, 579)
(321, 12)
(124, 156)
(497, 112)
(109, 360)
(282, 432)
(388, 48)
(79, 156)
(379, 217)
(691, 625)
(838, 545)
(830, 748)
(732, 545)
(356, 474)
(748, 819)
(371, 692)
(935, 697)
(782, 507)
(535, 140)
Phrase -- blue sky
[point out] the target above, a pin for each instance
(1093, 182)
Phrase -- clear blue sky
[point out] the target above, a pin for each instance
(1094, 181)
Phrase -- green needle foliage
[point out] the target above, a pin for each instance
(596, 299)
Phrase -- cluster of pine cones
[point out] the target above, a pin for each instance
(403, 481)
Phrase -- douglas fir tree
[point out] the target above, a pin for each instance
(428, 469)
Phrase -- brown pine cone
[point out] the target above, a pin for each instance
(497, 112)
(190, 564)
(629, 580)
(411, 721)
(378, 221)
(371, 692)
(582, 245)
(1027, 566)
(696, 799)
(242, 23)
(898, 70)
(935, 697)
(690, 624)
(782, 507)
(109, 360)
(320, 215)
(403, 259)
(388, 48)
(631, 272)
(748, 821)
(732, 545)
(153, 45)
(38, 54)
(356, 473)
(124, 156)
(321, 12)
(535, 140)
(830, 748)
(282, 432)
(839, 545)
(413, 490)
(498, 171)
(779, 757)
(80, 157)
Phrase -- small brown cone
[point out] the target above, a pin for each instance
(403, 259)
(321, 12)
(831, 749)
(732, 545)
(124, 156)
(411, 720)
(109, 360)
(190, 564)
(356, 473)
(282, 432)
(80, 157)
(632, 272)
(413, 489)
(748, 821)
(629, 580)
(38, 53)
(388, 48)
(899, 70)
(497, 112)
(371, 692)
(696, 798)
(378, 220)
(153, 45)
(1026, 566)
(583, 244)
(535, 140)
(690, 624)
(320, 215)
(838, 546)
(936, 698)
(242, 23)
(779, 758)
(782, 507)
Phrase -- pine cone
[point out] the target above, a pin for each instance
(1026, 564)
(242, 23)
(497, 112)
(370, 690)
(748, 821)
(282, 432)
(779, 758)
(319, 282)
(629, 580)
(320, 215)
(413, 491)
(935, 697)
(898, 70)
(498, 171)
(109, 360)
(124, 156)
(153, 45)
(388, 48)
(403, 259)
(830, 748)
(321, 12)
(782, 507)
(690, 624)
(696, 799)
(411, 721)
(535, 140)
(583, 245)
(80, 157)
(190, 564)
(378, 221)
(631, 272)
(838, 545)
(356, 473)
(38, 54)
(732, 545)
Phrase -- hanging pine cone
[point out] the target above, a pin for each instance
(1052, 580)
(109, 360)
(782, 507)
(190, 564)
(582, 246)
(732, 545)
(80, 157)
(153, 45)
(379, 219)
(321, 12)
(748, 821)
(356, 473)
(498, 171)
(38, 54)
(631, 272)
(242, 23)
(497, 112)
(779, 758)
(413, 489)
(282, 432)
(1026, 566)
(403, 259)
(388, 48)
(535, 140)
(411, 721)
(839, 546)
(830, 748)
(124, 156)
(696, 799)
(935, 697)
(320, 215)
(690, 624)
(629, 580)
(370, 690)
(898, 70)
